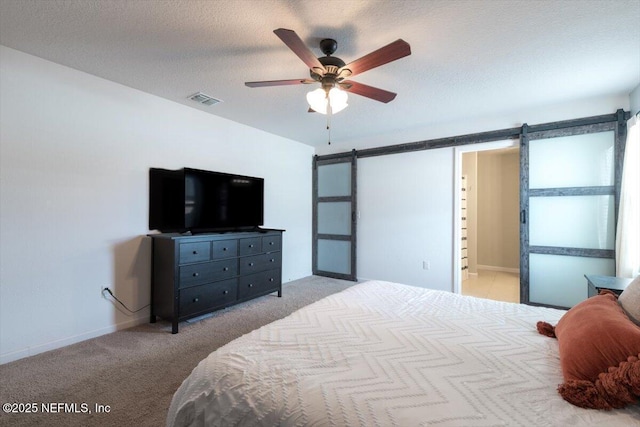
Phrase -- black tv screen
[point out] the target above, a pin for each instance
(197, 200)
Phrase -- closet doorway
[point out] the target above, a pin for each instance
(487, 193)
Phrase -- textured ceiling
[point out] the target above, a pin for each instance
(468, 58)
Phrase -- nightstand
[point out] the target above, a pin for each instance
(598, 283)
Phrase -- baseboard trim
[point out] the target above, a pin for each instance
(496, 268)
(52, 345)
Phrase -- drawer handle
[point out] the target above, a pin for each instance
(196, 299)
(273, 260)
(250, 264)
(271, 243)
(251, 285)
(225, 292)
(224, 249)
(195, 252)
(271, 279)
(196, 274)
(225, 269)
(250, 246)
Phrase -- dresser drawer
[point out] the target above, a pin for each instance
(258, 283)
(197, 274)
(194, 252)
(250, 246)
(271, 243)
(201, 298)
(262, 262)
(224, 249)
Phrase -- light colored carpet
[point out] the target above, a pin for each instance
(136, 371)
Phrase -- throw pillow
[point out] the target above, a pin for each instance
(599, 349)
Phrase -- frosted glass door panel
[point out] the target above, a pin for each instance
(334, 218)
(334, 256)
(334, 180)
(559, 280)
(572, 161)
(334, 233)
(573, 222)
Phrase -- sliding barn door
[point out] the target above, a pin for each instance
(334, 217)
(568, 211)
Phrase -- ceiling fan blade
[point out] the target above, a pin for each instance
(279, 82)
(295, 43)
(396, 50)
(368, 91)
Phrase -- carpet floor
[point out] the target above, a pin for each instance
(133, 373)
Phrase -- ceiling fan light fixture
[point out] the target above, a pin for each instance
(319, 100)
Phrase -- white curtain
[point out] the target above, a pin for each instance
(628, 232)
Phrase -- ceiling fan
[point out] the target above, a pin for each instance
(331, 72)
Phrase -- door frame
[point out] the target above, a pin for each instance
(457, 191)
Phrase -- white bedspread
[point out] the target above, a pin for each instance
(384, 354)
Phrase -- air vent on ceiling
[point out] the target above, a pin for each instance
(204, 99)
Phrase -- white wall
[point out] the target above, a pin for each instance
(75, 152)
(499, 209)
(463, 124)
(405, 203)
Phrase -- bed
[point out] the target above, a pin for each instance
(386, 354)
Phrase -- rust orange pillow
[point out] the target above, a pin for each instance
(598, 345)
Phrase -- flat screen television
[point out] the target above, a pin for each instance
(199, 201)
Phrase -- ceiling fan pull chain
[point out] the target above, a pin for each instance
(329, 110)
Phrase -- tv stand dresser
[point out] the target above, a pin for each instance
(196, 274)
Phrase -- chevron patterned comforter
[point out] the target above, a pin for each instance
(385, 354)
